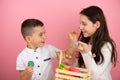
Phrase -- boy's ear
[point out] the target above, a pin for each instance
(97, 24)
(28, 38)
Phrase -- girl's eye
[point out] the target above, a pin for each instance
(84, 24)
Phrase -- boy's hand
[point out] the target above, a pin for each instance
(29, 70)
(64, 59)
(72, 36)
(26, 74)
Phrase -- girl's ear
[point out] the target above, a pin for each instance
(97, 24)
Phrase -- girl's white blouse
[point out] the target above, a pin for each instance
(99, 71)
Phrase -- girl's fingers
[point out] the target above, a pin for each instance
(83, 47)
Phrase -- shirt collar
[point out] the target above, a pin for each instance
(31, 50)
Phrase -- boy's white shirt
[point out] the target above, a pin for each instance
(42, 58)
(101, 71)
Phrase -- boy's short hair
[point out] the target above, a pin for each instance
(28, 25)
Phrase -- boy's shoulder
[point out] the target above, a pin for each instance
(48, 46)
(22, 52)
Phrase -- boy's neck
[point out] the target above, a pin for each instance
(31, 47)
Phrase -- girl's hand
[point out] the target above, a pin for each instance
(82, 47)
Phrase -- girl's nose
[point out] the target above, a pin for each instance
(81, 27)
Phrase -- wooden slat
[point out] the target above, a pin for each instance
(72, 73)
(62, 77)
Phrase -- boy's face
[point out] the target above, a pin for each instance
(37, 39)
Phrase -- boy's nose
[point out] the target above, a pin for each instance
(44, 36)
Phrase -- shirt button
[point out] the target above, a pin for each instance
(38, 65)
(39, 74)
(36, 57)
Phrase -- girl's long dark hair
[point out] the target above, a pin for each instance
(100, 37)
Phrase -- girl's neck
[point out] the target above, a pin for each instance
(91, 40)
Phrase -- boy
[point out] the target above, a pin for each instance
(33, 31)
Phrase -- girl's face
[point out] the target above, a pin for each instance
(87, 27)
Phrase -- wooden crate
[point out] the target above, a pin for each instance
(66, 74)
(70, 75)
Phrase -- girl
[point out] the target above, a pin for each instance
(95, 39)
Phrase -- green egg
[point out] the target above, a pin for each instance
(61, 66)
(31, 63)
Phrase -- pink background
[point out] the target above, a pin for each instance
(59, 16)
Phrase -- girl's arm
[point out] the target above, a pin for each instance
(99, 68)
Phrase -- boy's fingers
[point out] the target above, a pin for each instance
(72, 36)
(29, 69)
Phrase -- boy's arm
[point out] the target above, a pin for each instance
(73, 38)
(26, 74)
(68, 53)
(70, 50)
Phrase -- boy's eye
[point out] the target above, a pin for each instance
(40, 34)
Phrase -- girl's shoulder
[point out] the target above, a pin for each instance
(107, 45)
